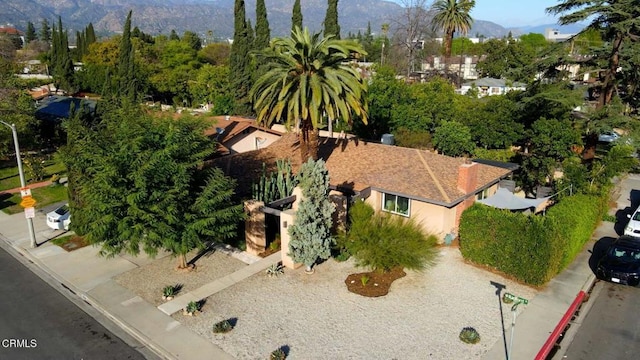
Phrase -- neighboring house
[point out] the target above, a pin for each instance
(237, 135)
(555, 35)
(490, 86)
(463, 66)
(430, 188)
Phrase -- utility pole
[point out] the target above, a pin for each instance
(23, 184)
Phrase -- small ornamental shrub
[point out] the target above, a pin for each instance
(222, 327)
(364, 279)
(275, 270)
(168, 291)
(192, 307)
(278, 354)
(384, 241)
(469, 335)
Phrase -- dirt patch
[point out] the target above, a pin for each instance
(373, 283)
(74, 242)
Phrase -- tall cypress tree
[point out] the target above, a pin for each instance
(126, 66)
(263, 34)
(91, 34)
(331, 26)
(45, 31)
(240, 62)
(296, 18)
(61, 62)
(30, 35)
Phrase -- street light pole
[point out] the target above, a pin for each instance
(23, 183)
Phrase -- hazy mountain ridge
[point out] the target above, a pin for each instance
(202, 16)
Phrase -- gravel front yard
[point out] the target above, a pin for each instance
(315, 317)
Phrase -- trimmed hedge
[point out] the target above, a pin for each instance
(531, 248)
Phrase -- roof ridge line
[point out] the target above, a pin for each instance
(433, 176)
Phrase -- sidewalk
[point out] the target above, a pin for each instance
(30, 186)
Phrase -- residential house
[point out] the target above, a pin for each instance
(433, 189)
(236, 134)
(489, 86)
(554, 35)
(462, 66)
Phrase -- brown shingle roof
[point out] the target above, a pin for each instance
(357, 164)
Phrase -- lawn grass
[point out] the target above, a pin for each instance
(10, 203)
(9, 178)
(61, 240)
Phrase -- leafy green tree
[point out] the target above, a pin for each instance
(453, 139)
(452, 16)
(16, 107)
(310, 232)
(384, 241)
(144, 189)
(309, 80)
(385, 92)
(620, 21)
(215, 54)
(331, 25)
(30, 35)
(296, 17)
(494, 123)
(174, 35)
(192, 39)
(425, 107)
(211, 85)
(550, 142)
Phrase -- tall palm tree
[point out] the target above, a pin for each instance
(310, 79)
(452, 16)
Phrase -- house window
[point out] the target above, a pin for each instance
(395, 204)
(482, 194)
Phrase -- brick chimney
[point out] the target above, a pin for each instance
(468, 177)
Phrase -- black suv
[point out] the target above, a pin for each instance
(621, 263)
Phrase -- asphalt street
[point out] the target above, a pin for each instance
(611, 328)
(38, 322)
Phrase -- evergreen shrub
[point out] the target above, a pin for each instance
(385, 241)
(531, 248)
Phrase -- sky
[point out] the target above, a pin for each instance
(511, 13)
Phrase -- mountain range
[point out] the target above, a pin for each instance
(210, 16)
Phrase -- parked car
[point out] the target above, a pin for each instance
(60, 218)
(608, 136)
(621, 263)
(633, 227)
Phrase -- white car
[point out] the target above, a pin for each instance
(609, 136)
(60, 218)
(633, 227)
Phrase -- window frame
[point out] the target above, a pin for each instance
(395, 211)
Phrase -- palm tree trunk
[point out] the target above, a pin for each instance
(308, 141)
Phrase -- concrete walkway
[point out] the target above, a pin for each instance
(90, 277)
(207, 290)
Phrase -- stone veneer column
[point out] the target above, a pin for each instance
(286, 219)
(339, 216)
(254, 229)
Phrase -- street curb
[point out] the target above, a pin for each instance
(584, 308)
(133, 332)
